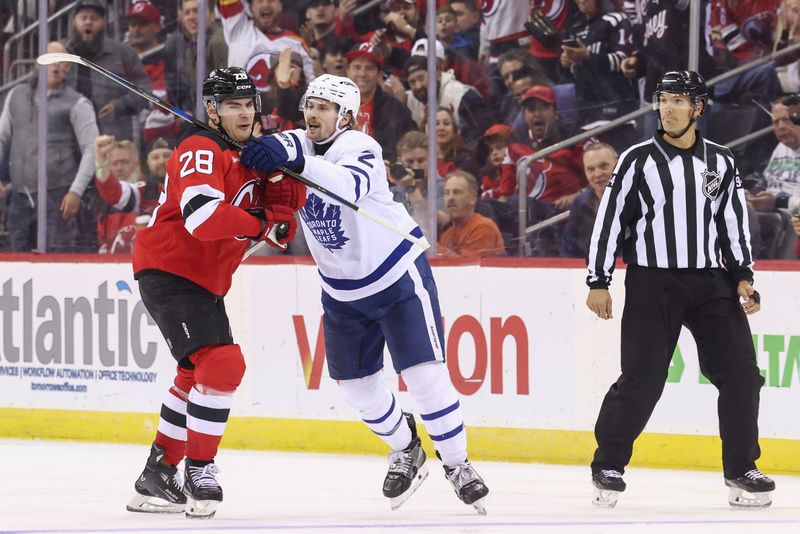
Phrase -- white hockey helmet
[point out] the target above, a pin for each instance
(337, 89)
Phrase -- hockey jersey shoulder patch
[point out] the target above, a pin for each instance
(325, 222)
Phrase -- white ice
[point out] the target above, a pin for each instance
(60, 487)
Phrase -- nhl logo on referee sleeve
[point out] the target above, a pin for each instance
(711, 184)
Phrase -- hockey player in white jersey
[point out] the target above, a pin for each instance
(377, 289)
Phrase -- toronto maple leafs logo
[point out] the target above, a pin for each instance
(325, 222)
(711, 184)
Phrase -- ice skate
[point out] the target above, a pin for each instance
(407, 469)
(158, 489)
(203, 492)
(468, 485)
(608, 484)
(751, 490)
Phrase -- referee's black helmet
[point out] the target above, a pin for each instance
(682, 82)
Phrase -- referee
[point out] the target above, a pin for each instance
(676, 208)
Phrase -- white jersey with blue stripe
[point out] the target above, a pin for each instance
(355, 256)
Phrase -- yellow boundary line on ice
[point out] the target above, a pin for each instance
(505, 444)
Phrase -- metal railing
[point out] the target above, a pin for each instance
(25, 42)
(523, 163)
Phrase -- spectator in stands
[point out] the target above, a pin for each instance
(452, 155)
(380, 115)
(471, 113)
(180, 51)
(545, 47)
(412, 153)
(333, 56)
(470, 234)
(742, 32)
(127, 202)
(447, 33)
(662, 42)
(251, 41)
(468, 24)
(599, 40)
(124, 161)
(326, 21)
(780, 181)
(115, 105)
(519, 72)
(71, 131)
(144, 25)
(599, 160)
(557, 178)
(499, 176)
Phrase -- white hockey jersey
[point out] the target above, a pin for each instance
(356, 257)
(250, 48)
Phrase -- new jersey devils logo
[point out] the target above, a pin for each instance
(258, 67)
(245, 197)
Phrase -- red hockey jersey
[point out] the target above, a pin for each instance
(197, 229)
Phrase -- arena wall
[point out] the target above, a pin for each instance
(81, 359)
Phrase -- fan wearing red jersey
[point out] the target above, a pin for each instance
(184, 261)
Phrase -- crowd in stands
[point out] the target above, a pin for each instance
(513, 77)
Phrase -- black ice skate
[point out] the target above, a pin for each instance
(608, 484)
(159, 488)
(407, 469)
(203, 492)
(468, 485)
(751, 490)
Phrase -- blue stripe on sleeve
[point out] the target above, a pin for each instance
(396, 255)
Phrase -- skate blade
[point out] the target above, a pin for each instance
(201, 509)
(480, 506)
(422, 474)
(153, 505)
(605, 498)
(741, 499)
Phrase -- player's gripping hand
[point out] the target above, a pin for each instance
(284, 190)
(278, 226)
(269, 152)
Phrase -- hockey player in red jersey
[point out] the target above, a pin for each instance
(184, 261)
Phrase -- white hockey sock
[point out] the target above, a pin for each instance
(378, 408)
(172, 422)
(430, 385)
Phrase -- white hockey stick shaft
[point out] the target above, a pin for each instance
(57, 57)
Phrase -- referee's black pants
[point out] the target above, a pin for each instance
(657, 303)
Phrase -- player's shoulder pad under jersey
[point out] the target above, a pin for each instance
(203, 139)
(353, 141)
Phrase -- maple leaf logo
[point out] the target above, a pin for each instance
(325, 222)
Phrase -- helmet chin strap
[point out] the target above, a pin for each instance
(337, 130)
(692, 120)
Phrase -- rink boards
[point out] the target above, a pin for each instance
(81, 359)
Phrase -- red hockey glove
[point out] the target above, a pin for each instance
(279, 225)
(285, 191)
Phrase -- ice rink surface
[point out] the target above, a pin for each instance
(66, 487)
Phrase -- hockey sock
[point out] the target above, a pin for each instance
(378, 408)
(207, 416)
(171, 434)
(440, 411)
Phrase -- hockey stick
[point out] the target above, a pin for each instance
(57, 57)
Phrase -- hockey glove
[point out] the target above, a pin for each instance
(279, 225)
(266, 154)
(285, 191)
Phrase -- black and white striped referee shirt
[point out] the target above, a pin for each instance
(672, 208)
